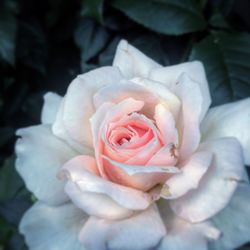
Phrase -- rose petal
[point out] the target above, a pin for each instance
(99, 205)
(165, 156)
(86, 182)
(89, 201)
(234, 221)
(60, 131)
(190, 175)
(167, 98)
(51, 105)
(133, 126)
(39, 156)
(78, 104)
(190, 95)
(141, 180)
(195, 70)
(166, 125)
(146, 152)
(184, 235)
(135, 169)
(132, 62)
(217, 186)
(46, 227)
(229, 120)
(117, 92)
(140, 232)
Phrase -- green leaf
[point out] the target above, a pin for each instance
(7, 35)
(13, 210)
(226, 6)
(91, 38)
(10, 182)
(33, 106)
(6, 133)
(151, 46)
(5, 231)
(202, 3)
(32, 50)
(16, 242)
(107, 56)
(226, 60)
(217, 20)
(93, 8)
(164, 16)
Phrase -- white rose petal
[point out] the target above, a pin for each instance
(234, 221)
(231, 119)
(217, 186)
(190, 176)
(132, 62)
(182, 235)
(87, 182)
(142, 231)
(53, 228)
(78, 104)
(51, 105)
(195, 70)
(188, 124)
(39, 157)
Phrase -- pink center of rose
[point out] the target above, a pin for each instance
(133, 134)
(135, 140)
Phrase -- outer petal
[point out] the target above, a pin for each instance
(39, 157)
(117, 92)
(229, 120)
(166, 125)
(169, 76)
(217, 186)
(78, 107)
(142, 231)
(183, 235)
(87, 182)
(190, 176)
(167, 97)
(189, 93)
(132, 62)
(60, 131)
(234, 221)
(96, 204)
(46, 227)
(51, 105)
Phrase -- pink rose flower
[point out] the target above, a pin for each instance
(131, 158)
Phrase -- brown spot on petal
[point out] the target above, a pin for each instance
(174, 151)
(165, 193)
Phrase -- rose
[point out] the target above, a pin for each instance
(130, 158)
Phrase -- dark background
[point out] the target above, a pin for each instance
(44, 44)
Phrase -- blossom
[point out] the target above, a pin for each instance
(131, 158)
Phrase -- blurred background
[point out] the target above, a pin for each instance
(44, 44)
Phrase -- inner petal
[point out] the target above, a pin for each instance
(120, 136)
(129, 133)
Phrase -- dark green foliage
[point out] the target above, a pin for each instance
(164, 16)
(226, 59)
(7, 31)
(93, 8)
(44, 44)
